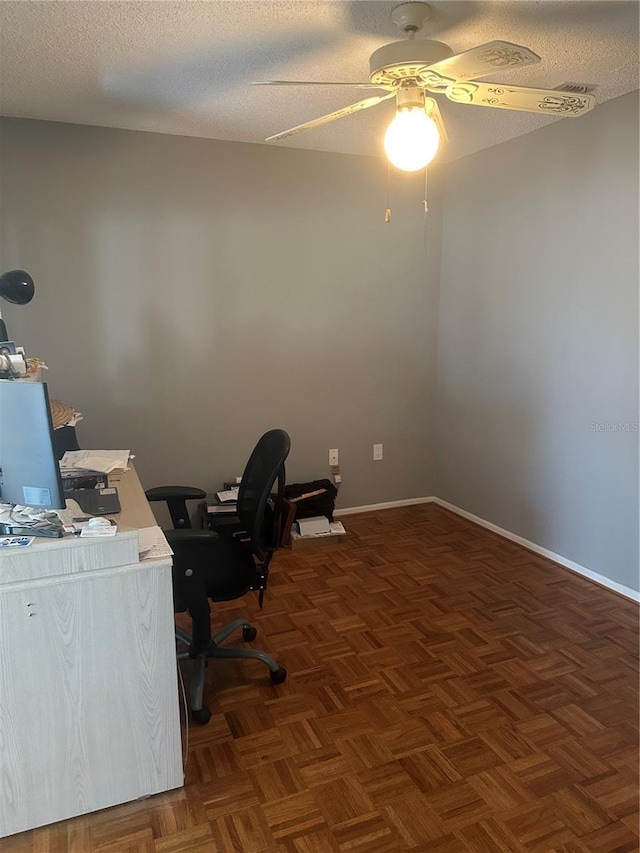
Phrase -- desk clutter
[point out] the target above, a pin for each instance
(63, 414)
(48, 486)
(307, 513)
(15, 364)
(307, 516)
(84, 462)
(82, 516)
(224, 502)
(316, 531)
(87, 497)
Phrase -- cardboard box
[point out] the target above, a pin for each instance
(337, 534)
(296, 541)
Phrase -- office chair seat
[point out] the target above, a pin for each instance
(225, 564)
(235, 568)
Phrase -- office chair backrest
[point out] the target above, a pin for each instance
(265, 466)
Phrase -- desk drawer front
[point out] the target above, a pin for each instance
(49, 558)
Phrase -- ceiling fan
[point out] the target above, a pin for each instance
(406, 70)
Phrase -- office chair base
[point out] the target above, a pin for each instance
(249, 633)
(279, 676)
(200, 714)
(246, 654)
(201, 717)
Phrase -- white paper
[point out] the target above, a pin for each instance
(71, 511)
(102, 461)
(5, 513)
(152, 544)
(335, 527)
(228, 495)
(89, 532)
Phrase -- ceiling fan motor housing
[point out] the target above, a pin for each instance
(402, 60)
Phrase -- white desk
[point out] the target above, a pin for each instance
(89, 713)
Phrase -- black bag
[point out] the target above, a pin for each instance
(315, 498)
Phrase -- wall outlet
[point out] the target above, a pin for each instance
(377, 452)
(334, 457)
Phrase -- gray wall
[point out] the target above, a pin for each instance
(193, 293)
(538, 338)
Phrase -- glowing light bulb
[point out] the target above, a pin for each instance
(412, 139)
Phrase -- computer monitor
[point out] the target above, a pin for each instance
(29, 470)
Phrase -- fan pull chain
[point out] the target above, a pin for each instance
(426, 207)
(387, 213)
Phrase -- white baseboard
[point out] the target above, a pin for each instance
(353, 510)
(626, 591)
(544, 552)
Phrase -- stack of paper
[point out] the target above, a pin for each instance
(227, 508)
(94, 461)
(152, 544)
(333, 528)
(335, 533)
(228, 495)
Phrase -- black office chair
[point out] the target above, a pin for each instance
(224, 564)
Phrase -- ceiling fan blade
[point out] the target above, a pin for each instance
(481, 60)
(345, 111)
(549, 101)
(315, 83)
(433, 111)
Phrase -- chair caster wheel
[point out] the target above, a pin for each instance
(201, 717)
(249, 633)
(279, 676)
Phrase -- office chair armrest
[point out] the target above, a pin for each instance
(176, 498)
(166, 493)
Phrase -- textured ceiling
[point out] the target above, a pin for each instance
(184, 67)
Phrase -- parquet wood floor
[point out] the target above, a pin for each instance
(448, 691)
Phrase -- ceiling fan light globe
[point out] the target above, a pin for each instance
(412, 139)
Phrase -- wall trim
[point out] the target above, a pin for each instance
(614, 586)
(352, 510)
